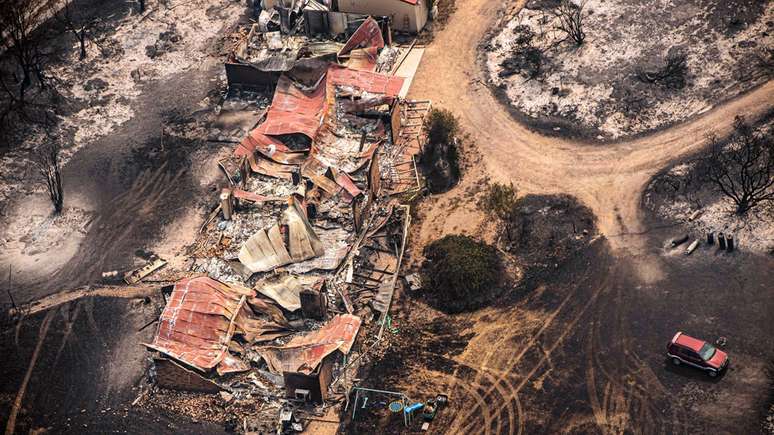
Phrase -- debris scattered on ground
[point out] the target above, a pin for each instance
(680, 194)
(303, 251)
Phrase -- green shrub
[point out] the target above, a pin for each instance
(460, 272)
(442, 127)
(440, 158)
(499, 200)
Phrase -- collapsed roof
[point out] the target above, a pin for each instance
(203, 315)
(267, 249)
(305, 352)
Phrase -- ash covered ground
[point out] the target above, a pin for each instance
(596, 90)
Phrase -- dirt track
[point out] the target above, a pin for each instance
(595, 342)
(607, 178)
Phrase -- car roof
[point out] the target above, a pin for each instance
(688, 341)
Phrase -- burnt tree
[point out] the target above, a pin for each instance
(672, 75)
(77, 22)
(570, 18)
(46, 159)
(742, 168)
(18, 20)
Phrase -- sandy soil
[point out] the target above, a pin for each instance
(35, 241)
(583, 353)
(594, 87)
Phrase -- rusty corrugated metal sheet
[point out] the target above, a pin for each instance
(200, 319)
(271, 148)
(365, 80)
(271, 168)
(254, 197)
(343, 180)
(305, 352)
(368, 35)
(293, 110)
(296, 111)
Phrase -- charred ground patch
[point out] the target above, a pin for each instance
(684, 196)
(89, 369)
(602, 88)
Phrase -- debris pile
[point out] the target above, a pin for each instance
(303, 251)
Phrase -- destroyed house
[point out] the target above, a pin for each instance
(306, 362)
(202, 318)
(304, 248)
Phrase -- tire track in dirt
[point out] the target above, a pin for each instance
(117, 227)
(513, 360)
(463, 423)
(609, 179)
(507, 398)
(570, 328)
(479, 399)
(633, 386)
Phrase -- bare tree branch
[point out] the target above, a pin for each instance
(571, 18)
(46, 158)
(742, 168)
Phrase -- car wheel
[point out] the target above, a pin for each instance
(675, 361)
(712, 373)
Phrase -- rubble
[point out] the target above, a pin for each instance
(302, 252)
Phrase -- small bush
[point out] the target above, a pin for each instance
(440, 158)
(442, 127)
(672, 75)
(499, 200)
(525, 59)
(460, 273)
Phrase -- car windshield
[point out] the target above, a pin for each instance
(707, 351)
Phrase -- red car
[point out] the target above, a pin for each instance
(684, 349)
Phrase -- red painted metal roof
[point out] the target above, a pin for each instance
(194, 326)
(201, 317)
(293, 110)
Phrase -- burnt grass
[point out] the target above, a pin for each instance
(57, 43)
(692, 186)
(631, 95)
(546, 230)
(422, 346)
(416, 348)
(89, 369)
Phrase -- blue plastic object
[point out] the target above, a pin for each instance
(411, 408)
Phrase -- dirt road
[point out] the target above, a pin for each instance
(604, 326)
(607, 178)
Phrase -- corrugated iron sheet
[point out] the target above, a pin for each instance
(286, 290)
(368, 35)
(293, 110)
(266, 249)
(201, 317)
(271, 148)
(305, 352)
(313, 113)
